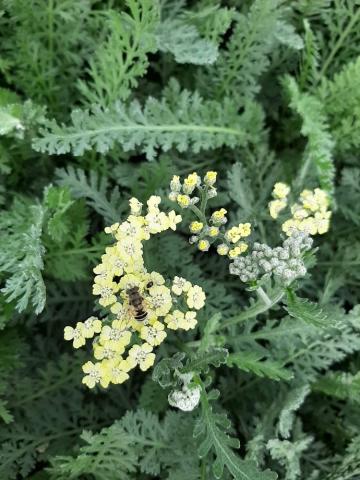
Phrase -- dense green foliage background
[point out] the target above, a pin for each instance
(104, 100)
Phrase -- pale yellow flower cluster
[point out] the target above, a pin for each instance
(205, 233)
(122, 331)
(311, 214)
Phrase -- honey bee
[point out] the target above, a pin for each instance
(136, 300)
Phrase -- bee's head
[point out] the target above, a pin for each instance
(131, 290)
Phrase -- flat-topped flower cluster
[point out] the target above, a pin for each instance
(120, 341)
(206, 232)
(310, 214)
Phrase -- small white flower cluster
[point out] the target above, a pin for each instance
(188, 397)
(285, 262)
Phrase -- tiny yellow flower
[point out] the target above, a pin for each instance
(281, 190)
(195, 297)
(308, 225)
(153, 334)
(102, 352)
(190, 321)
(222, 249)
(96, 373)
(135, 206)
(218, 217)
(129, 248)
(233, 235)
(289, 226)
(153, 203)
(157, 221)
(106, 293)
(133, 228)
(175, 184)
(203, 245)
(173, 220)
(91, 326)
(322, 221)
(112, 229)
(76, 335)
(173, 196)
(156, 278)
(175, 320)
(210, 178)
(244, 229)
(142, 355)
(234, 252)
(180, 285)
(160, 299)
(213, 232)
(243, 247)
(298, 212)
(115, 372)
(183, 201)
(196, 227)
(276, 206)
(115, 338)
(190, 182)
(309, 200)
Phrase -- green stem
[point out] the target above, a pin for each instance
(150, 128)
(51, 48)
(303, 172)
(260, 307)
(204, 199)
(198, 213)
(263, 296)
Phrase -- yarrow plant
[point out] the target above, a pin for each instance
(250, 111)
(120, 340)
(208, 230)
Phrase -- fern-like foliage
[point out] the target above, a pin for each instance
(288, 454)
(349, 468)
(137, 442)
(319, 149)
(22, 260)
(255, 362)
(341, 99)
(342, 385)
(94, 189)
(309, 71)
(44, 45)
(246, 58)
(293, 401)
(212, 431)
(122, 58)
(303, 309)
(182, 120)
(184, 42)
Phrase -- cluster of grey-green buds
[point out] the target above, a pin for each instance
(285, 262)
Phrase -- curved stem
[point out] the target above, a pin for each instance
(260, 307)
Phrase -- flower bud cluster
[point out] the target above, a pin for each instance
(206, 232)
(285, 263)
(188, 397)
